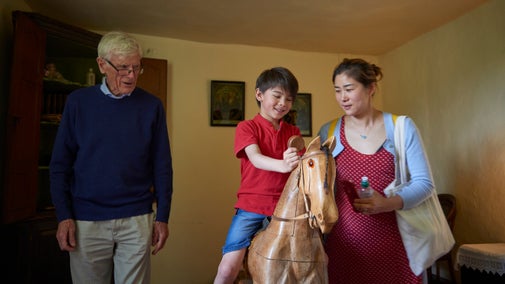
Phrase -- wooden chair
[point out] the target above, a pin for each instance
(448, 203)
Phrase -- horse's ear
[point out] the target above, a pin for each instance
(314, 145)
(330, 143)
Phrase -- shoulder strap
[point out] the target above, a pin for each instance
(331, 129)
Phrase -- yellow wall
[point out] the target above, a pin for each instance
(452, 81)
(206, 173)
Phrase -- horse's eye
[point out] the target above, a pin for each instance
(311, 163)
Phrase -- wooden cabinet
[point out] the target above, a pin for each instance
(36, 100)
(30, 252)
(37, 41)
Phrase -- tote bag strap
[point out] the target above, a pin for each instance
(424, 230)
(401, 161)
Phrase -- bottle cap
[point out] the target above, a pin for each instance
(364, 182)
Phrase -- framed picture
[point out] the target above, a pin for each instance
(227, 102)
(301, 114)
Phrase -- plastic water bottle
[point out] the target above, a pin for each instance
(365, 191)
(90, 77)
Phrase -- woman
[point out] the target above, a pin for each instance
(365, 245)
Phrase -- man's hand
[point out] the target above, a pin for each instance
(66, 235)
(160, 235)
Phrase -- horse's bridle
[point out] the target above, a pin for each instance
(308, 213)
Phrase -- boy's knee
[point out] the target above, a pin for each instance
(228, 269)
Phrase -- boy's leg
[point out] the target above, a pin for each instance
(242, 229)
(230, 265)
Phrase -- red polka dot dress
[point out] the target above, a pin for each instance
(361, 248)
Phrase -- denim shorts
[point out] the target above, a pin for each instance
(244, 226)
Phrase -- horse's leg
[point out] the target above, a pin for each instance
(244, 275)
(268, 271)
(309, 272)
(254, 264)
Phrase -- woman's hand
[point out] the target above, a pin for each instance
(377, 203)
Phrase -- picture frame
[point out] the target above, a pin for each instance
(227, 102)
(301, 114)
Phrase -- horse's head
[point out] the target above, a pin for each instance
(317, 180)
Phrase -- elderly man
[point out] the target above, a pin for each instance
(111, 161)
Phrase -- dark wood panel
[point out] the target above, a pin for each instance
(154, 78)
(23, 121)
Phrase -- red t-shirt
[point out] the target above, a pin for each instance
(259, 189)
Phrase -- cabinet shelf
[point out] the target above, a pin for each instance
(59, 87)
(54, 97)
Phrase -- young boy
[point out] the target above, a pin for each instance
(265, 165)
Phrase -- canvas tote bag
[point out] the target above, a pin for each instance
(424, 229)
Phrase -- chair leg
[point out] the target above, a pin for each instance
(451, 269)
(438, 271)
(430, 274)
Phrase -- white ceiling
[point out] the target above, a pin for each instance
(370, 27)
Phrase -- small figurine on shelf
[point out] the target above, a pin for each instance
(51, 73)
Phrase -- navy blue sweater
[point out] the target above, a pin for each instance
(107, 156)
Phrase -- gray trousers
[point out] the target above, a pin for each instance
(119, 246)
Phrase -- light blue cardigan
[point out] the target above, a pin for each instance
(420, 184)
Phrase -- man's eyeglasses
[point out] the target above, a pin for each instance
(138, 69)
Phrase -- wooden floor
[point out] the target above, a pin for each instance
(243, 279)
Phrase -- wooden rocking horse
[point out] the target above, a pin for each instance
(290, 249)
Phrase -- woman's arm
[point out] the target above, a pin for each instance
(420, 185)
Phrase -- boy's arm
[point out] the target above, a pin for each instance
(260, 161)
